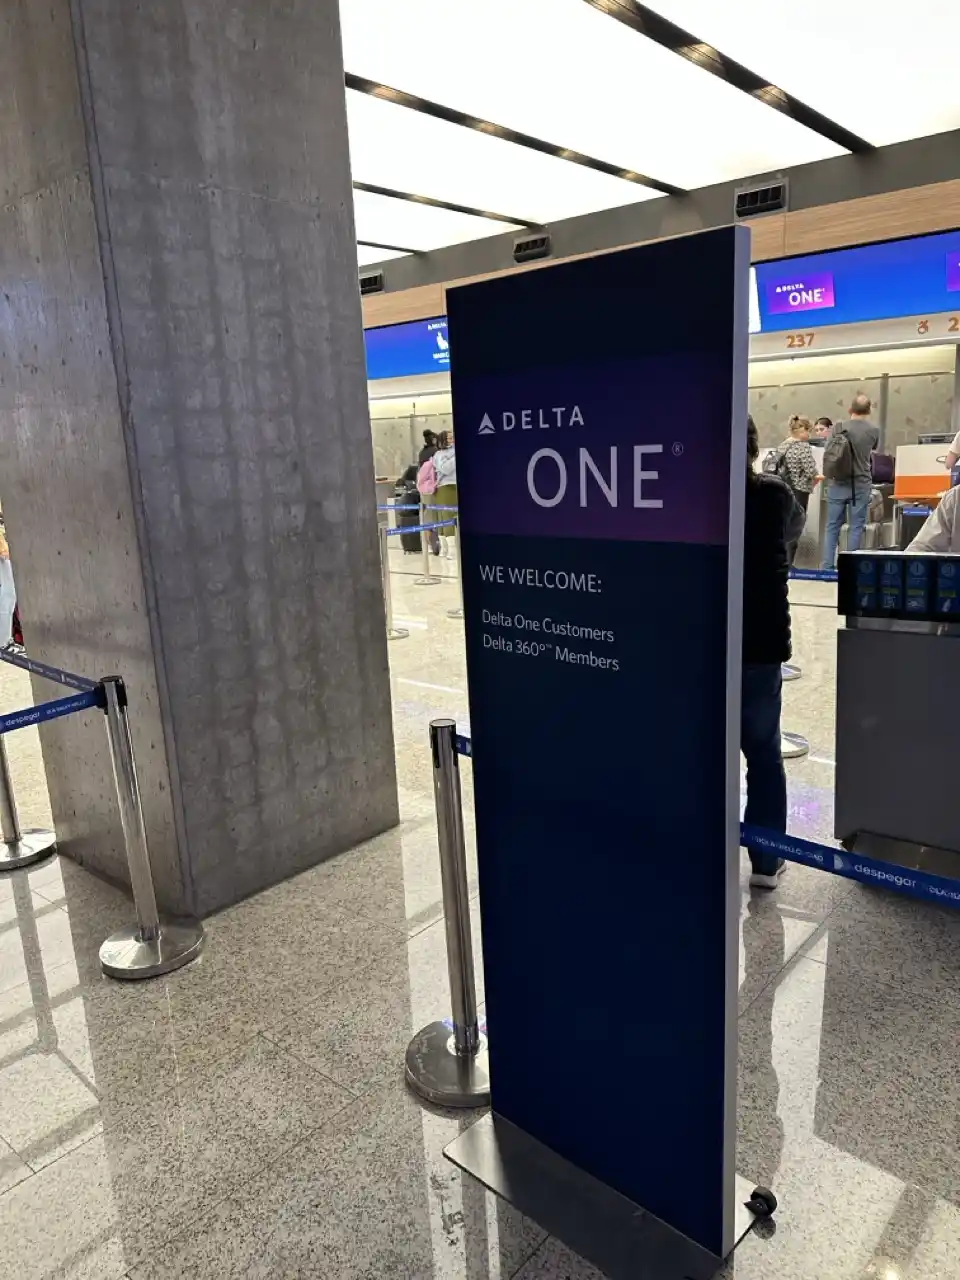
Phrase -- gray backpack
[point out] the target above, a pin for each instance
(838, 456)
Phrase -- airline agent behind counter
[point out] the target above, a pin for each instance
(941, 529)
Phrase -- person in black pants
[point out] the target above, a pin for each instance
(772, 519)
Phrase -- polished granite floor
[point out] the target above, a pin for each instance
(247, 1116)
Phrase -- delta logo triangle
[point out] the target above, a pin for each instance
(486, 426)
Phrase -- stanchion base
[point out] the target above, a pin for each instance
(789, 672)
(125, 955)
(454, 613)
(33, 846)
(431, 581)
(440, 1075)
(793, 745)
(398, 633)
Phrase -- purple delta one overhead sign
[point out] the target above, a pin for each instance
(804, 292)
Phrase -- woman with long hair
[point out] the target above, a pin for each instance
(445, 462)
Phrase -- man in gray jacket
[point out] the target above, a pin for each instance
(855, 492)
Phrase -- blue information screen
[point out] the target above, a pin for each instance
(872, 282)
(601, 466)
(401, 350)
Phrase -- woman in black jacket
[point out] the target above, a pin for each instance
(772, 519)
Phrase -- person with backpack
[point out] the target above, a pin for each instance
(427, 488)
(846, 468)
(445, 466)
(794, 462)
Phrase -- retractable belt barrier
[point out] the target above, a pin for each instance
(48, 672)
(420, 528)
(412, 506)
(824, 857)
(153, 946)
(814, 575)
(51, 710)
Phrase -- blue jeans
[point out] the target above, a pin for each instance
(760, 744)
(838, 499)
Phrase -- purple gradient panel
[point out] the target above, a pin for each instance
(953, 272)
(802, 292)
(679, 402)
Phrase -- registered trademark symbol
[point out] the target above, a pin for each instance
(677, 449)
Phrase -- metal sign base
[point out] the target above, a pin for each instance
(126, 955)
(33, 846)
(793, 745)
(398, 633)
(438, 1073)
(595, 1221)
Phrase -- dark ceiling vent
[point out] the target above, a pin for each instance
(372, 282)
(751, 202)
(531, 247)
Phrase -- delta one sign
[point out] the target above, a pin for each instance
(617, 475)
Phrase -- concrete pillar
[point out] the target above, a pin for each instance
(185, 458)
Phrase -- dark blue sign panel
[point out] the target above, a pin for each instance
(599, 503)
(872, 282)
(401, 350)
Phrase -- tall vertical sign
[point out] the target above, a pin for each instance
(601, 453)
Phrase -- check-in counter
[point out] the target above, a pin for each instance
(898, 708)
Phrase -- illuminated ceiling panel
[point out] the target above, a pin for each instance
(887, 71)
(393, 146)
(562, 71)
(383, 220)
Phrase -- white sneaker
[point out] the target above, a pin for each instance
(757, 881)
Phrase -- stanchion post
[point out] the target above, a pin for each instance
(425, 548)
(393, 633)
(18, 849)
(153, 946)
(457, 613)
(447, 1061)
(427, 579)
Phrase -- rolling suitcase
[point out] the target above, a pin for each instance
(410, 542)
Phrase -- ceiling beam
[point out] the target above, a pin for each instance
(642, 19)
(451, 115)
(415, 198)
(390, 248)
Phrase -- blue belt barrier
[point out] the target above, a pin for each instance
(854, 866)
(420, 528)
(49, 673)
(412, 506)
(814, 575)
(825, 857)
(52, 710)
